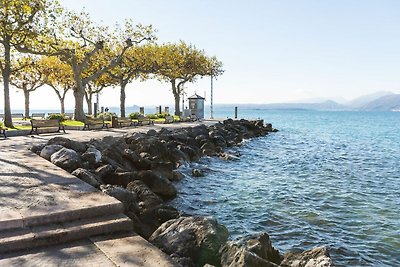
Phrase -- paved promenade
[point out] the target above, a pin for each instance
(34, 193)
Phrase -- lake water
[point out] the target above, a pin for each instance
(326, 178)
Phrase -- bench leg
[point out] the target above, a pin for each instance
(34, 129)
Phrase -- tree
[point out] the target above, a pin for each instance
(58, 75)
(181, 63)
(91, 40)
(76, 40)
(20, 21)
(27, 77)
(137, 63)
(95, 87)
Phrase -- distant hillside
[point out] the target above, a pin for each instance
(384, 103)
(326, 105)
(365, 99)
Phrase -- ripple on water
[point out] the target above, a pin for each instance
(313, 183)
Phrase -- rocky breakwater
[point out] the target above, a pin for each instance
(139, 170)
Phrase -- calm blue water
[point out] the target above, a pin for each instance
(327, 178)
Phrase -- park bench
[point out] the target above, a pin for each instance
(90, 122)
(125, 121)
(3, 131)
(48, 124)
(169, 119)
(143, 120)
(38, 116)
(13, 116)
(18, 116)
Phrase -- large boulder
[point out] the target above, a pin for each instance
(104, 170)
(120, 178)
(49, 150)
(316, 257)
(253, 251)
(87, 177)
(65, 142)
(146, 197)
(152, 210)
(67, 159)
(128, 198)
(157, 183)
(92, 155)
(197, 238)
(37, 148)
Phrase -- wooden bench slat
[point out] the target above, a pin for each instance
(37, 124)
(94, 121)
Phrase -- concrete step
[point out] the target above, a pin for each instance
(44, 235)
(15, 219)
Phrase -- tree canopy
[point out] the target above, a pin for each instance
(181, 63)
(80, 55)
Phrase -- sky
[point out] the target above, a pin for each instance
(273, 51)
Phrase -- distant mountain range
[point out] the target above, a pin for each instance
(379, 101)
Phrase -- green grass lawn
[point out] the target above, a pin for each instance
(72, 123)
(19, 127)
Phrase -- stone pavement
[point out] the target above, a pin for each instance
(106, 250)
(37, 199)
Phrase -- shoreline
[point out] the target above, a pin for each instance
(139, 170)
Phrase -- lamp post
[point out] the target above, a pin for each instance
(212, 104)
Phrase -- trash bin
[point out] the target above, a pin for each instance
(114, 122)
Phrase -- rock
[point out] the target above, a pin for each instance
(166, 213)
(104, 170)
(143, 164)
(176, 176)
(316, 257)
(151, 132)
(178, 156)
(145, 195)
(131, 155)
(37, 148)
(127, 197)
(158, 184)
(87, 177)
(67, 143)
(208, 149)
(153, 212)
(197, 173)
(117, 155)
(227, 156)
(49, 150)
(250, 251)
(67, 159)
(197, 238)
(92, 155)
(120, 178)
(192, 152)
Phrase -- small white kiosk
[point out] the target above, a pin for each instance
(196, 106)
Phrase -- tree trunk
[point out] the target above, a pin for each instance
(79, 113)
(26, 95)
(6, 80)
(122, 99)
(62, 103)
(61, 98)
(88, 97)
(177, 98)
(79, 93)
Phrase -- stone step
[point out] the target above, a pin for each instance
(44, 235)
(97, 205)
